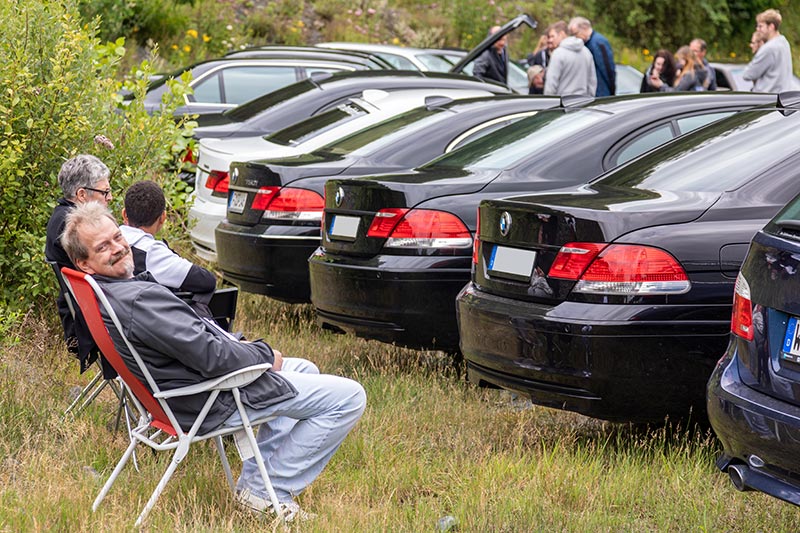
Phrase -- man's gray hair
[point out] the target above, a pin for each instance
(701, 43)
(579, 23)
(80, 172)
(88, 214)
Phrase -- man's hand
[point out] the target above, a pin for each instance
(278, 363)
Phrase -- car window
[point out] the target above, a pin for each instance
(733, 144)
(207, 91)
(398, 62)
(316, 71)
(687, 124)
(509, 146)
(434, 63)
(317, 125)
(245, 83)
(644, 143)
(483, 130)
(269, 100)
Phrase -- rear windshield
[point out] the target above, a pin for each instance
(506, 147)
(718, 158)
(254, 107)
(317, 125)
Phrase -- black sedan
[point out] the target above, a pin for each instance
(222, 84)
(263, 247)
(615, 300)
(289, 105)
(396, 248)
(754, 392)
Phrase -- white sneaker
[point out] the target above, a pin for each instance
(289, 510)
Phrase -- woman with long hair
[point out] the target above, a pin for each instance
(691, 74)
(662, 69)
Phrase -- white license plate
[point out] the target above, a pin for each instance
(791, 341)
(237, 201)
(343, 227)
(512, 262)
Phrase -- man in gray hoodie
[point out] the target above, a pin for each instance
(571, 69)
(771, 68)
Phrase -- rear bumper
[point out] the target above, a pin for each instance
(760, 435)
(616, 362)
(204, 215)
(270, 260)
(406, 300)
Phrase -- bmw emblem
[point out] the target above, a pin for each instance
(339, 196)
(505, 223)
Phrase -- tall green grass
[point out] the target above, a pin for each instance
(428, 445)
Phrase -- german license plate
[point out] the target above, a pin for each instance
(237, 201)
(343, 227)
(791, 341)
(512, 262)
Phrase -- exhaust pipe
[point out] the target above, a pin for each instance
(739, 474)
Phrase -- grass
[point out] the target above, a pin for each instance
(429, 445)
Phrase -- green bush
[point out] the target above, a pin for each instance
(58, 94)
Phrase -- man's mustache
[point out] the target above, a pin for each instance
(116, 258)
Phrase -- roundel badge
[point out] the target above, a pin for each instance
(339, 196)
(505, 223)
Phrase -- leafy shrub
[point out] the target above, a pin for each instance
(58, 93)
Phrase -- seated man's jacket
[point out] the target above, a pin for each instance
(180, 349)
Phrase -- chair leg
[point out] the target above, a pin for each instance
(225, 464)
(88, 389)
(180, 453)
(104, 491)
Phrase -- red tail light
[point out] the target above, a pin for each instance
(477, 242)
(218, 181)
(289, 203)
(742, 316)
(420, 228)
(623, 269)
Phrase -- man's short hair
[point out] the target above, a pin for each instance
(558, 27)
(576, 23)
(144, 203)
(701, 43)
(88, 214)
(81, 171)
(770, 16)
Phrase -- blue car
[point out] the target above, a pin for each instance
(754, 393)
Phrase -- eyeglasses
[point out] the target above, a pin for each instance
(104, 192)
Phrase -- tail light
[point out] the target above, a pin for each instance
(477, 242)
(742, 317)
(218, 181)
(622, 269)
(420, 228)
(289, 204)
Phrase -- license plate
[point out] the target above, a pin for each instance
(237, 201)
(343, 227)
(791, 341)
(512, 262)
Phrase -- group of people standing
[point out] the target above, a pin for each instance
(770, 71)
(572, 59)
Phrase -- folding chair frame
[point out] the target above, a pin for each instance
(157, 427)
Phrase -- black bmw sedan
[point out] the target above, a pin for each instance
(291, 104)
(264, 243)
(754, 392)
(615, 300)
(396, 248)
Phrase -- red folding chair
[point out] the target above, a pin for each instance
(157, 427)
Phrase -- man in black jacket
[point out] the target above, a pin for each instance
(492, 64)
(314, 411)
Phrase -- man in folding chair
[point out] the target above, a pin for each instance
(315, 411)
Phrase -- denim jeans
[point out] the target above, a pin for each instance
(298, 444)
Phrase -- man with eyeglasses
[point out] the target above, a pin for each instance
(83, 178)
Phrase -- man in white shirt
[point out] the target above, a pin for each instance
(771, 68)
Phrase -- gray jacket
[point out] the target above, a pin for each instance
(180, 349)
(771, 68)
(571, 70)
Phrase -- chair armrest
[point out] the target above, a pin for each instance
(237, 378)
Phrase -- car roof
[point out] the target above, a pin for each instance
(355, 56)
(406, 51)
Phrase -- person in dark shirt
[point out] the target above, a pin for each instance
(83, 178)
(598, 45)
(492, 64)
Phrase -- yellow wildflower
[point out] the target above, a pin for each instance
(395, 40)
(174, 46)
(187, 48)
(301, 24)
(192, 33)
(733, 55)
(293, 29)
(206, 38)
(646, 52)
